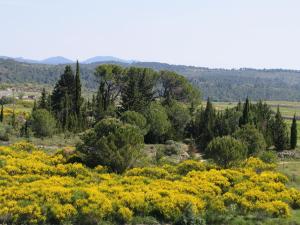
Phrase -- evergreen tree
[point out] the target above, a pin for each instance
(138, 89)
(49, 104)
(280, 136)
(293, 141)
(13, 119)
(34, 106)
(239, 106)
(110, 80)
(99, 102)
(66, 113)
(246, 113)
(206, 125)
(2, 114)
(62, 100)
(78, 99)
(43, 100)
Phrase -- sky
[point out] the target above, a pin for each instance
(208, 33)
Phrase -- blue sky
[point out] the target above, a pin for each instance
(212, 33)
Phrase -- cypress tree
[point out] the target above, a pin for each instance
(49, 104)
(43, 100)
(207, 125)
(34, 106)
(293, 141)
(2, 114)
(13, 119)
(78, 100)
(99, 103)
(280, 136)
(65, 120)
(239, 106)
(246, 113)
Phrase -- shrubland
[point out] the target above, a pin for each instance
(39, 188)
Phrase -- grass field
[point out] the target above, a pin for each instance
(292, 170)
(288, 109)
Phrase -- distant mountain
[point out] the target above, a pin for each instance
(20, 59)
(57, 60)
(106, 59)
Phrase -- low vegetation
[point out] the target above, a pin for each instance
(37, 188)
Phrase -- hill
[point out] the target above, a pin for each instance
(219, 84)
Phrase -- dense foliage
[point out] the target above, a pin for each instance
(112, 143)
(226, 151)
(43, 124)
(37, 188)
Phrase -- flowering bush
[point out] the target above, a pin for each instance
(37, 188)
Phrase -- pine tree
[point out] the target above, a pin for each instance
(78, 99)
(43, 100)
(280, 136)
(246, 113)
(2, 114)
(293, 141)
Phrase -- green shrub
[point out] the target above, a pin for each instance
(252, 138)
(226, 151)
(42, 123)
(136, 119)
(268, 156)
(112, 143)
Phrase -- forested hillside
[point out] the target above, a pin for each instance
(219, 84)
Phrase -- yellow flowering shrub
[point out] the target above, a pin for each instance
(38, 188)
(125, 214)
(23, 146)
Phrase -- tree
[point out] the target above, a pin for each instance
(42, 123)
(226, 151)
(205, 125)
(279, 131)
(34, 106)
(252, 138)
(112, 143)
(138, 89)
(2, 114)
(13, 121)
(179, 117)
(43, 103)
(262, 117)
(62, 97)
(136, 119)
(77, 96)
(158, 121)
(177, 87)
(246, 113)
(110, 80)
(293, 140)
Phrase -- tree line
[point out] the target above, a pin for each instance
(134, 106)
